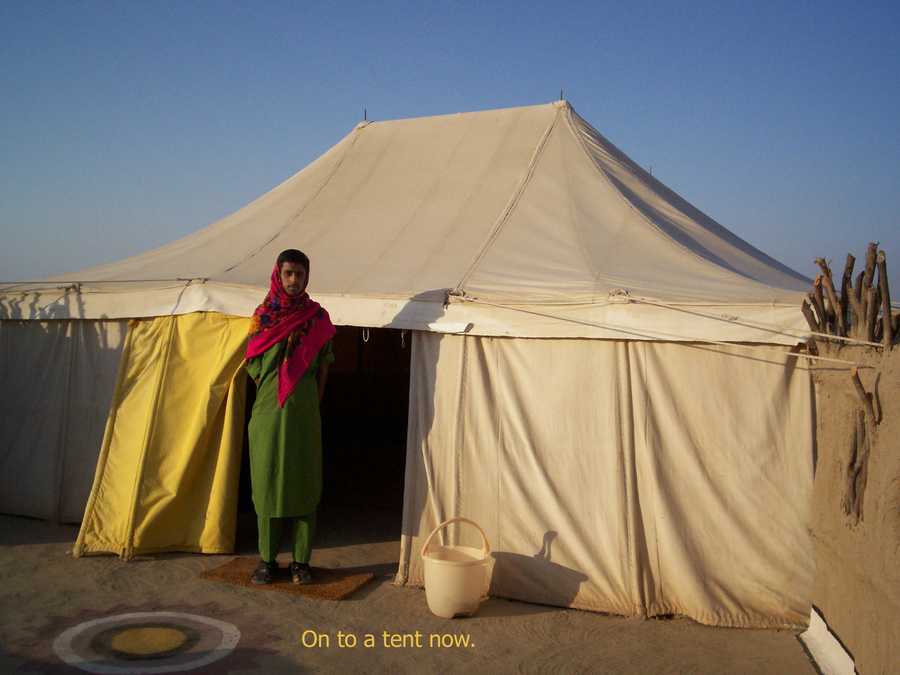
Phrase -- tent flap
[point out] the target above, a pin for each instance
(168, 473)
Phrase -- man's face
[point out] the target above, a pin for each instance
(293, 278)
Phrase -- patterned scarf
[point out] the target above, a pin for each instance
(299, 319)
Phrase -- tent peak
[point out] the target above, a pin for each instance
(484, 111)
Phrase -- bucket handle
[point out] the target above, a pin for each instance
(486, 547)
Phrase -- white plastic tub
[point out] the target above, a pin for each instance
(457, 578)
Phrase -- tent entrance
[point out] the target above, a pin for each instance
(364, 422)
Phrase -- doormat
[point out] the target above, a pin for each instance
(327, 584)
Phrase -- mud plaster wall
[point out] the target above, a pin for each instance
(857, 585)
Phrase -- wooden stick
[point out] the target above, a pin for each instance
(860, 326)
(836, 309)
(887, 335)
(865, 283)
(811, 347)
(846, 281)
(871, 254)
(847, 278)
(871, 312)
(810, 318)
(861, 469)
(865, 399)
(819, 304)
(857, 313)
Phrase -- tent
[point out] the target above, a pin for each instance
(600, 372)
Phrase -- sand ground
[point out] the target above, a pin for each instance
(45, 591)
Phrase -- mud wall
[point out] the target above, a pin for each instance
(856, 522)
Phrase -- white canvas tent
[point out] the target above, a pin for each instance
(643, 467)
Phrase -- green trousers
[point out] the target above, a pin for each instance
(270, 530)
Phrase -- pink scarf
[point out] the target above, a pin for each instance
(301, 320)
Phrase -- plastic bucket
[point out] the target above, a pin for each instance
(456, 577)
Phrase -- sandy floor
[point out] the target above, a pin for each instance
(44, 591)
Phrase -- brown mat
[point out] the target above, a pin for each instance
(328, 584)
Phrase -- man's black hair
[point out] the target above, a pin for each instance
(292, 255)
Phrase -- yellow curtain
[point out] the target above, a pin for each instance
(167, 476)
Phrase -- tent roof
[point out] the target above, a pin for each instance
(527, 207)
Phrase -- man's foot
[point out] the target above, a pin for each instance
(300, 573)
(264, 572)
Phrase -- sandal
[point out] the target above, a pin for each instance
(264, 572)
(300, 573)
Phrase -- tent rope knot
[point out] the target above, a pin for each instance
(457, 295)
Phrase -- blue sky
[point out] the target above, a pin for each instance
(124, 125)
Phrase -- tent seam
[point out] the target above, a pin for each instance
(195, 238)
(654, 482)
(409, 221)
(64, 426)
(100, 471)
(644, 218)
(148, 434)
(356, 131)
(460, 431)
(513, 200)
(430, 497)
(573, 218)
(411, 477)
(500, 453)
(629, 477)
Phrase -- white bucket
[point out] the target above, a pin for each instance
(456, 577)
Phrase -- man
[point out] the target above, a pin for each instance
(288, 357)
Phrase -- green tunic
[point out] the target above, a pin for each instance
(285, 443)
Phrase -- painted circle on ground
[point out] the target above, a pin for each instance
(146, 642)
(152, 640)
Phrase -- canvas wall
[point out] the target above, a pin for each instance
(638, 478)
(57, 382)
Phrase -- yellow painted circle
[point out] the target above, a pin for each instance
(147, 641)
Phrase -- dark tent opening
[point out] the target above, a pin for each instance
(364, 419)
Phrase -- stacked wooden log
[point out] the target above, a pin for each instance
(863, 309)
